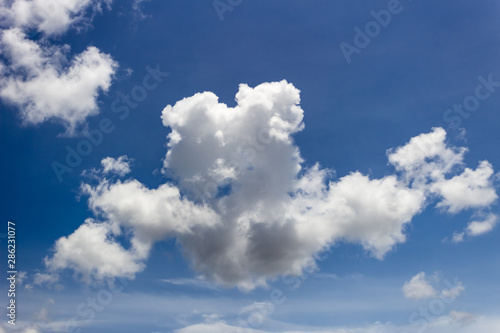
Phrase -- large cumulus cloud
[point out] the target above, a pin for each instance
(245, 209)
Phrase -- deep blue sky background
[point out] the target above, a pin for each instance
(427, 59)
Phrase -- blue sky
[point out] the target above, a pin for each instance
(352, 207)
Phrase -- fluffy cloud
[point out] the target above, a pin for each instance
(457, 237)
(146, 216)
(476, 228)
(43, 278)
(52, 17)
(426, 161)
(44, 87)
(420, 287)
(37, 77)
(153, 214)
(91, 251)
(119, 166)
(470, 189)
(454, 291)
(244, 209)
(426, 157)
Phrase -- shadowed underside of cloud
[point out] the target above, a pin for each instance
(244, 208)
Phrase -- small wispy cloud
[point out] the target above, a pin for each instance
(421, 287)
(197, 282)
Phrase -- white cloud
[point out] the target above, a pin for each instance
(454, 291)
(52, 17)
(21, 277)
(152, 214)
(91, 251)
(119, 166)
(470, 189)
(44, 85)
(476, 228)
(463, 318)
(426, 160)
(136, 6)
(31, 330)
(419, 287)
(43, 278)
(245, 209)
(265, 308)
(457, 237)
(198, 282)
(372, 212)
(426, 157)
(455, 322)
